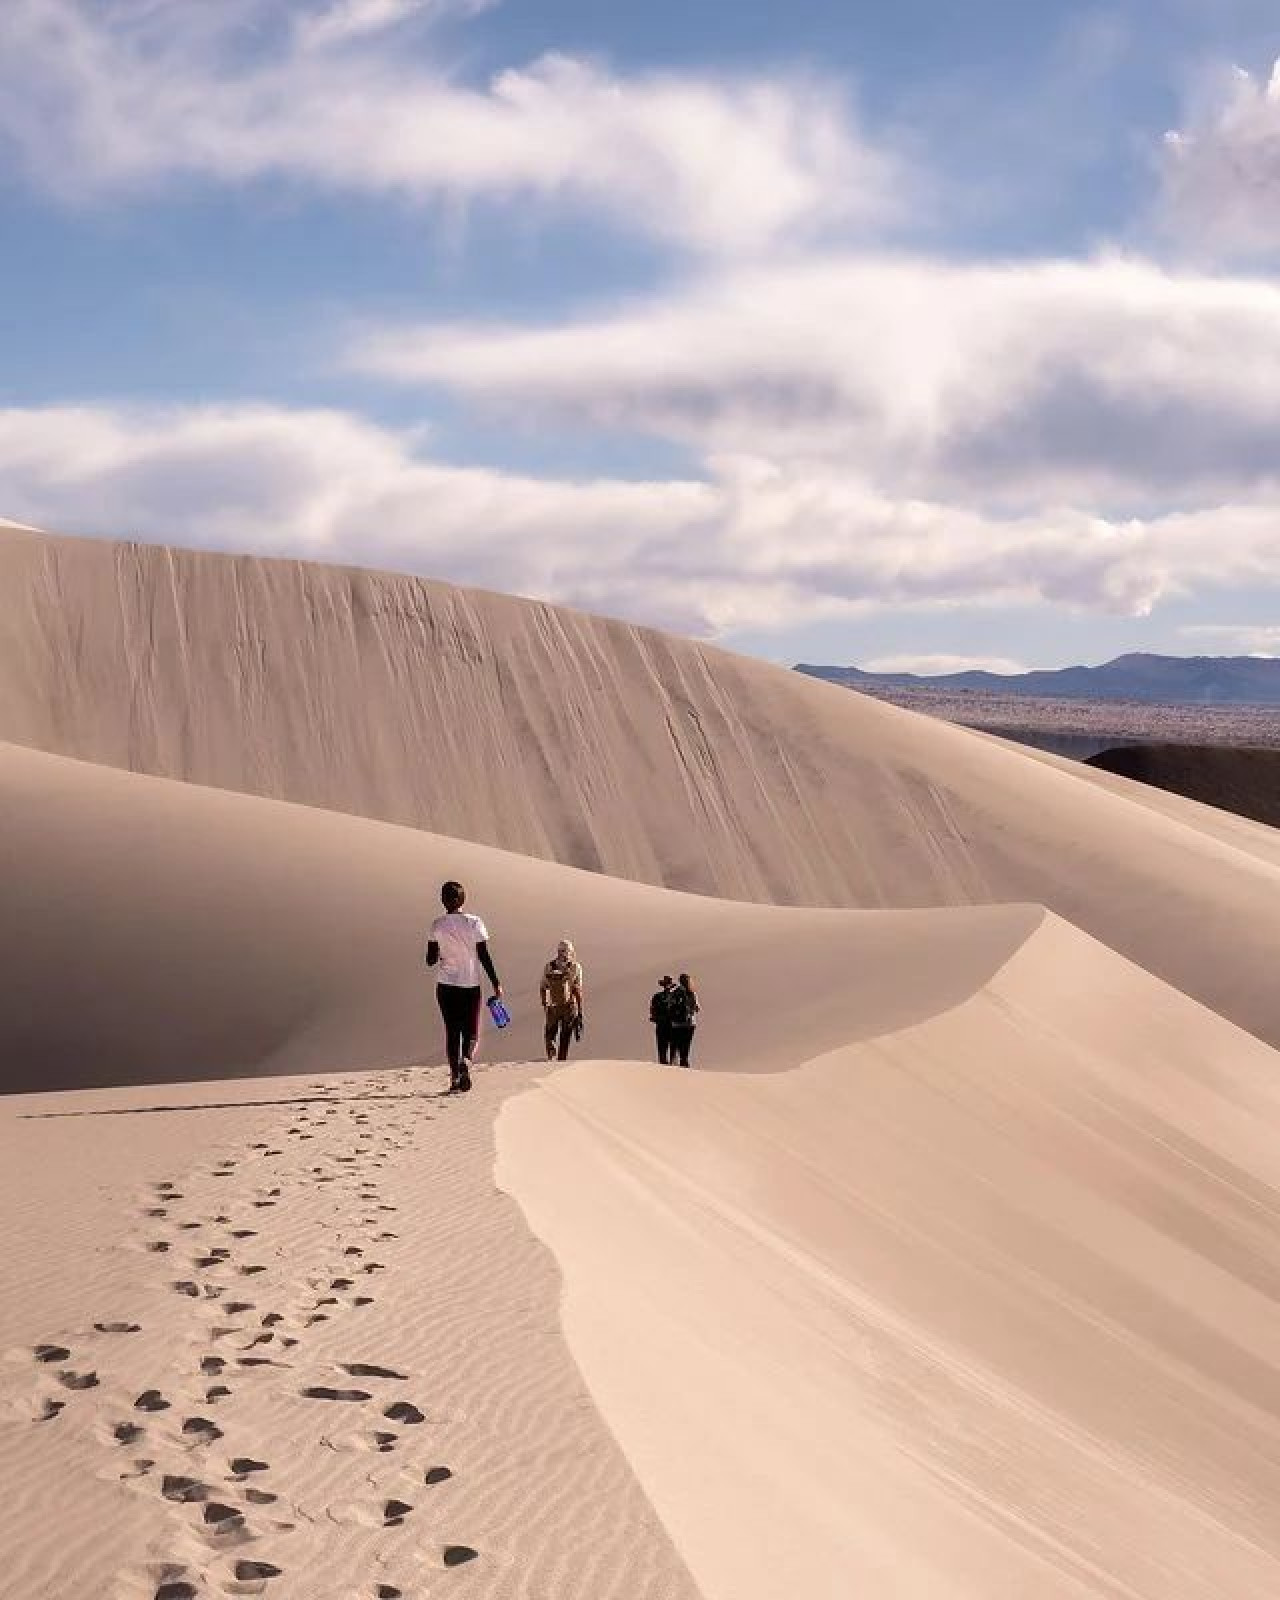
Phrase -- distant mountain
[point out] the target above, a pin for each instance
(1169, 680)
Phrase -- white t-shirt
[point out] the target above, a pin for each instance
(458, 933)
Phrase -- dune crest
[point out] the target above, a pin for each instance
(986, 1307)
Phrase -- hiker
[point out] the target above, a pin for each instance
(562, 1000)
(459, 945)
(660, 1016)
(684, 1018)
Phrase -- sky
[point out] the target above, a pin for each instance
(909, 335)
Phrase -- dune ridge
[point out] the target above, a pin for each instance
(995, 1298)
(600, 745)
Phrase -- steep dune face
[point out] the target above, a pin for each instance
(602, 746)
(156, 931)
(994, 1300)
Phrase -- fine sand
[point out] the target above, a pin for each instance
(953, 1273)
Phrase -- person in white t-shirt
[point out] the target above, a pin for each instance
(459, 946)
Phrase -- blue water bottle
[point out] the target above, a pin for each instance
(501, 1016)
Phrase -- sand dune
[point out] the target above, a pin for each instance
(986, 1307)
(158, 931)
(600, 745)
(957, 1277)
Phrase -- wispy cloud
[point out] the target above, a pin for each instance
(1109, 386)
(935, 666)
(118, 96)
(751, 546)
(347, 20)
(1221, 170)
(1236, 638)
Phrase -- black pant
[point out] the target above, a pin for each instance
(663, 1032)
(681, 1043)
(460, 1009)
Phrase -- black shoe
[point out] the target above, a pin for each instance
(464, 1077)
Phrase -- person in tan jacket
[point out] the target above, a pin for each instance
(561, 994)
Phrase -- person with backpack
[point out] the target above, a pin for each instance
(684, 1018)
(660, 1017)
(562, 1000)
(459, 945)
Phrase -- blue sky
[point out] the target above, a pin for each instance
(840, 332)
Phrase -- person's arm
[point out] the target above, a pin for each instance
(578, 990)
(486, 961)
(433, 952)
(543, 989)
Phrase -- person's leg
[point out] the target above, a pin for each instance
(566, 1034)
(682, 1039)
(688, 1045)
(663, 1032)
(470, 1003)
(446, 999)
(549, 1032)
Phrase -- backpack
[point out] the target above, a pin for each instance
(559, 981)
(682, 1008)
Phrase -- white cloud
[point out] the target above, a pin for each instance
(754, 545)
(125, 94)
(1235, 638)
(346, 20)
(1221, 172)
(1110, 385)
(936, 666)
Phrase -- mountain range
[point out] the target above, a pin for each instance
(1169, 680)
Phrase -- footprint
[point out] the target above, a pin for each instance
(216, 1392)
(260, 1497)
(177, 1589)
(49, 1409)
(78, 1380)
(183, 1490)
(436, 1475)
(246, 1571)
(185, 1286)
(319, 1392)
(211, 1366)
(455, 1555)
(127, 1432)
(157, 1247)
(364, 1369)
(201, 1429)
(51, 1352)
(241, 1466)
(151, 1400)
(394, 1513)
(221, 1520)
(402, 1411)
(118, 1327)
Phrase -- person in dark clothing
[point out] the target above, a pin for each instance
(660, 1016)
(459, 945)
(684, 1019)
